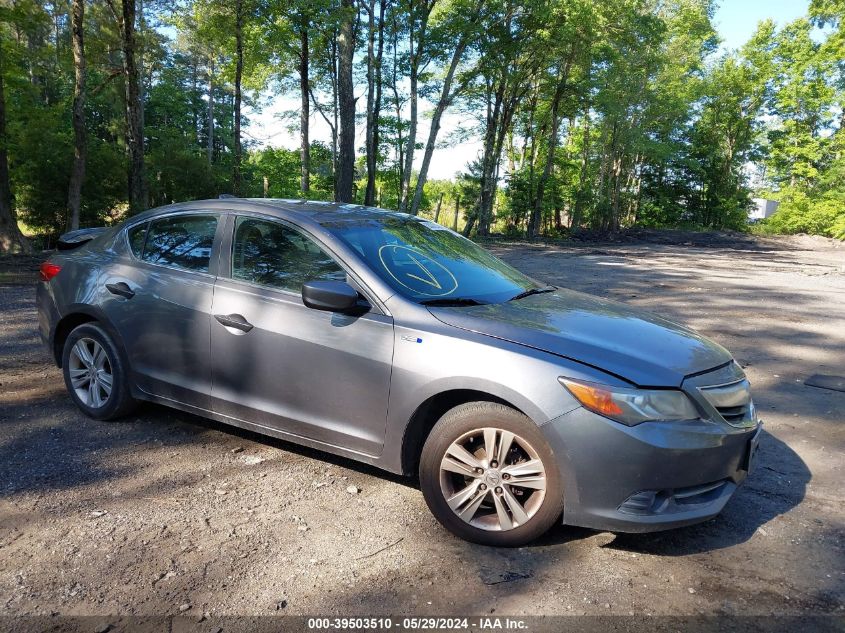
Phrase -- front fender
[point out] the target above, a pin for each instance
(427, 365)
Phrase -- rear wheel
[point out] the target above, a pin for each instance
(95, 374)
(488, 475)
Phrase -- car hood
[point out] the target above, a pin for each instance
(638, 346)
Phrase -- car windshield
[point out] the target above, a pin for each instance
(429, 263)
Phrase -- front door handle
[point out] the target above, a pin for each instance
(234, 320)
(122, 289)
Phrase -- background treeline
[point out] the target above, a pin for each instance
(594, 115)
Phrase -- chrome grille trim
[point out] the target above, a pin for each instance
(732, 400)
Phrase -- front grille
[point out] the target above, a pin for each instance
(732, 401)
(733, 414)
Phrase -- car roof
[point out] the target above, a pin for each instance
(303, 210)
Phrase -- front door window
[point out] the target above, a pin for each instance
(271, 254)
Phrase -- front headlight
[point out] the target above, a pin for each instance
(632, 406)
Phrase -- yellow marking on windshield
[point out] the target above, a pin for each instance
(431, 281)
(446, 285)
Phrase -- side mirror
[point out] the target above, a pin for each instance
(332, 296)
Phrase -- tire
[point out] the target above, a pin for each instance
(99, 401)
(494, 512)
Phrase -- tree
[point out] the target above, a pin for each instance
(467, 32)
(77, 174)
(375, 55)
(305, 114)
(603, 115)
(239, 70)
(125, 19)
(11, 238)
(346, 103)
(418, 15)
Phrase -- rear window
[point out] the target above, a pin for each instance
(182, 241)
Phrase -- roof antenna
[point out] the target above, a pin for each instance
(224, 196)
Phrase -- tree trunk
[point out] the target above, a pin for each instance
(195, 120)
(336, 124)
(11, 238)
(446, 96)
(537, 211)
(210, 148)
(400, 146)
(141, 90)
(239, 69)
(305, 114)
(374, 87)
(77, 174)
(371, 95)
(415, 55)
(488, 162)
(346, 104)
(437, 208)
(411, 140)
(379, 88)
(134, 111)
(581, 195)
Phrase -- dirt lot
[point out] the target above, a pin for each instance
(166, 513)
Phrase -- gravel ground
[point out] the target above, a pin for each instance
(166, 513)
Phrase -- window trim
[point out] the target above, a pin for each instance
(129, 242)
(213, 262)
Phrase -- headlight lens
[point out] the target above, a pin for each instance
(632, 406)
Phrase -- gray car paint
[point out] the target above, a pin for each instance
(358, 395)
(165, 327)
(642, 348)
(298, 370)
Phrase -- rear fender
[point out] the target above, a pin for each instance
(93, 314)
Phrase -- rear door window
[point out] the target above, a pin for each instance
(181, 241)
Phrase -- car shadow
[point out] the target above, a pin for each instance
(777, 484)
(165, 413)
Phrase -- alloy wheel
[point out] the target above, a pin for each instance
(90, 373)
(493, 479)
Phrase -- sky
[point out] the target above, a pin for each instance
(735, 22)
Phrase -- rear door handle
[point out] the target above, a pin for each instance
(234, 320)
(122, 289)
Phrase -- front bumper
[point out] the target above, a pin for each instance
(653, 476)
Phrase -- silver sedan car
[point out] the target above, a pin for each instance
(392, 340)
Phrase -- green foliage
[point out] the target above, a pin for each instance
(281, 167)
(654, 127)
(799, 213)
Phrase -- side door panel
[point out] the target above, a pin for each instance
(164, 325)
(319, 375)
(316, 374)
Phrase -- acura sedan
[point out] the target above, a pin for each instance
(392, 340)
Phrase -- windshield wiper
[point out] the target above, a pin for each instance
(451, 301)
(533, 291)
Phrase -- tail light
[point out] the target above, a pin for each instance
(48, 271)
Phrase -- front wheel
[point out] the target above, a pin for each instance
(95, 374)
(488, 475)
